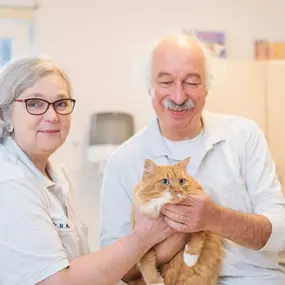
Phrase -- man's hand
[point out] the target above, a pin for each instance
(196, 213)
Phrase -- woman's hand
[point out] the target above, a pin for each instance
(151, 231)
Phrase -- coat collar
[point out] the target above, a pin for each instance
(213, 134)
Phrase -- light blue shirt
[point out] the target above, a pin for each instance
(232, 163)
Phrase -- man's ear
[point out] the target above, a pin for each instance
(150, 91)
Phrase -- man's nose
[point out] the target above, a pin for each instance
(178, 95)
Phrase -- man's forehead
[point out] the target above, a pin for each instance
(177, 56)
(178, 66)
(161, 74)
(183, 46)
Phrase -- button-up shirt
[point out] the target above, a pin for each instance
(233, 164)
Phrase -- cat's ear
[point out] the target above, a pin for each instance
(183, 164)
(149, 166)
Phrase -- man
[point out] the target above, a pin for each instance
(229, 158)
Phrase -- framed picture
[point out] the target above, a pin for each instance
(214, 41)
(266, 50)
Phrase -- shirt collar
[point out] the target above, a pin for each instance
(18, 155)
(213, 134)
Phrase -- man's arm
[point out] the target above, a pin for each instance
(262, 230)
(265, 191)
(250, 231)
(199, 213)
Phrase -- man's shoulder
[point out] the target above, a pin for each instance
(233, 123)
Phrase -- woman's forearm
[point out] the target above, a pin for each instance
(104, 267)
(108, 266)
(111, 264)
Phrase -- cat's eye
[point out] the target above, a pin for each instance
(164, 181)
(182, 181)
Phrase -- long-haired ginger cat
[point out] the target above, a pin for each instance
(200, 261)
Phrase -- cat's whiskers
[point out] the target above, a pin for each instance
(177, 197)
(180, 196)
(153, 207)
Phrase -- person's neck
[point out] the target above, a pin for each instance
(41, 165)
(39, 161)
(180, 135)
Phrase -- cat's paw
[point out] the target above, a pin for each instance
(190, 259)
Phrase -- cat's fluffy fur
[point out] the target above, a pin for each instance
(200, 261)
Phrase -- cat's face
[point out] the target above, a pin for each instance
(164, 184)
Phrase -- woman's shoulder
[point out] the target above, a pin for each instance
(10, 170)
(15, 180)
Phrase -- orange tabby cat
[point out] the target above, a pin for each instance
(200, 261)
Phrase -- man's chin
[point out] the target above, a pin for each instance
(181, 114)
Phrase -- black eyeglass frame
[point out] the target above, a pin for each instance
(26, 101)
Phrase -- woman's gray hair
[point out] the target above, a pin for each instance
(145, 63)
(19, 75)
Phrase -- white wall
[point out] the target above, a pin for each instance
(18, 3)
(99, 39)
(97, 42)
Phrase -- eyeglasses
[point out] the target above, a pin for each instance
(35, 106)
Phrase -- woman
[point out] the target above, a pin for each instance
(42, 241)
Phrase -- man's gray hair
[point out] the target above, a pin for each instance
(145, 64)
(19, 75)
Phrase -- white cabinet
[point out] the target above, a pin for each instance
(275, 104)
(239, 89)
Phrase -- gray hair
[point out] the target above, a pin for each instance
(146, 61)
(19, 75)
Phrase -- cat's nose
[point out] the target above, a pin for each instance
(176, 191)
